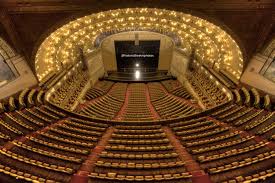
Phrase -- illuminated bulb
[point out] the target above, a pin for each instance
(137, 74)
(137, 64)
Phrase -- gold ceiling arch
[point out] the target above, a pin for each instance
(213, 45)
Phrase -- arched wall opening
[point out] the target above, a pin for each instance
(108, 51)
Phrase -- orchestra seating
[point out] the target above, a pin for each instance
(137, 132)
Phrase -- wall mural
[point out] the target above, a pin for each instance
(6, 74)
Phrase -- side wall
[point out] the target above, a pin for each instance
(95, 65)
(179, 64)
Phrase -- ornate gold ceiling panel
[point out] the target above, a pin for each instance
(213, 45)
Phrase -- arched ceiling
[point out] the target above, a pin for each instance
(212, 44)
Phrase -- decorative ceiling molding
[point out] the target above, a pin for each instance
(34, 20)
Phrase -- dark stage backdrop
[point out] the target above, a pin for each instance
(145, 54)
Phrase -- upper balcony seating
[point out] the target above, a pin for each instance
(233, 81)
(266, 104)
(22, 99)
(245, 96)
(252, 98)
(224, 80)
(139, 153)
(31, 98)
(237, 97)
(255, 97)
(40, 97)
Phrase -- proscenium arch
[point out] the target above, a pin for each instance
(167, 43)
(213, 45)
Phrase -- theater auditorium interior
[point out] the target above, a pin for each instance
(118, 91)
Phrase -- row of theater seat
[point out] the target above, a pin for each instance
(22, 122)
(171, 85)
(175, 88)
(183, 177)
(209, 92)
(223, 150)
(20, 175)
(100, 88)
(137, 108)
(49, 148)
(251, 119)
(108, 105)
(51, 145)
(168, 106)
(67, 93)
(128, 156)
(262, 176)
(243, 96)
